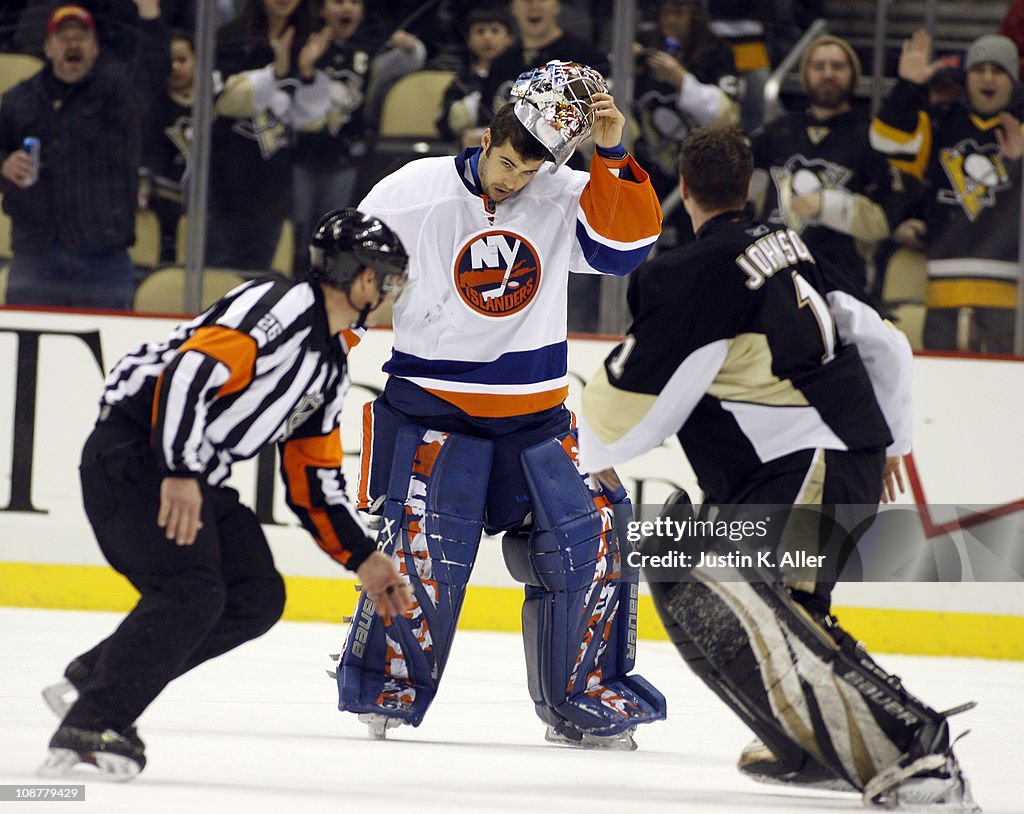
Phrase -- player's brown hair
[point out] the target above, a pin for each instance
(506, 128)
(717, 164)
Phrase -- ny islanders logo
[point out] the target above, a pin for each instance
(497, 273)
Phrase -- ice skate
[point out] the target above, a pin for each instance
(60, 696)
(88, 755)
(570, 736)
(759, 763)
(379, 724)
(931, 783)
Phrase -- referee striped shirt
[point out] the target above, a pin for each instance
(260, 366)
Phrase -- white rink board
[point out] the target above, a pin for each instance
(968, 449)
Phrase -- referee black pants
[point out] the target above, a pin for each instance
(196, 602)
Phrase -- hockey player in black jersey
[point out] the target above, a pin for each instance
(816, 172)
(784, 388)
(265, 364)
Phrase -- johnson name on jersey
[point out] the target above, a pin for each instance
(482, 322)
(749, 350)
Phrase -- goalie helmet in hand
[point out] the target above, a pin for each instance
(553, 103)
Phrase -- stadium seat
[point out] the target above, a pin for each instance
(145, 252)
(909, 318)
(281, 262)
(906, 277)
(412, 104)
(163, 291)
(5, 234)
(285, 252)
(16, 67)
(407, 128)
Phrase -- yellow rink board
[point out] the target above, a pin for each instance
(927, 633)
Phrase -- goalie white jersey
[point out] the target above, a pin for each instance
(482, 322)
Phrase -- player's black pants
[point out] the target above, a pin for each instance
(844, 487)
(196, 601)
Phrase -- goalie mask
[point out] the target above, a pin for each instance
(553, 103)
(346, 241)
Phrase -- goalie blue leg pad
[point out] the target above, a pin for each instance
(579, 617)
(805, 688)
(431, 526)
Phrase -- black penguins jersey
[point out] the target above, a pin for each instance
(972, 200)
(802, 155)
(748, 350)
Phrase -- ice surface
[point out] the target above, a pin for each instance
(258, 731)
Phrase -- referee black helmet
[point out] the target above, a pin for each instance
(346, 241)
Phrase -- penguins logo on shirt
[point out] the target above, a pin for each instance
(976, 174)
(346, 94)
(267, 130)
(497, 273)
(798, 176)
(180, 135)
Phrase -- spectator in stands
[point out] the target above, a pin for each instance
(745, 26)
(816, 171)
(686, 79)
(541, 39)
(327, 160)
(489, 31)
(167, 142)
(969, 157)
(267, 88)
(117, 25)
(74, 218)
(1012, 26)
(945, 88)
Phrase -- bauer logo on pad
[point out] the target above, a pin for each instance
(497, 273)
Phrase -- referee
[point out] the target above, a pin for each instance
(267, 363)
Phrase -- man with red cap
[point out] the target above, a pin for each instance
(72, 205)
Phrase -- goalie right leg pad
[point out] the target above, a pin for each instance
(808, 692)
(431, 525)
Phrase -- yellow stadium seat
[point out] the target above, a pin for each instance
(16, 67)
(909, 318)
(163, 291)
(283, 254)
(145, 252)
(906, 277)
(412, 104)
(5, 234)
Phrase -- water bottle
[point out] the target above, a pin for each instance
(31, 146)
